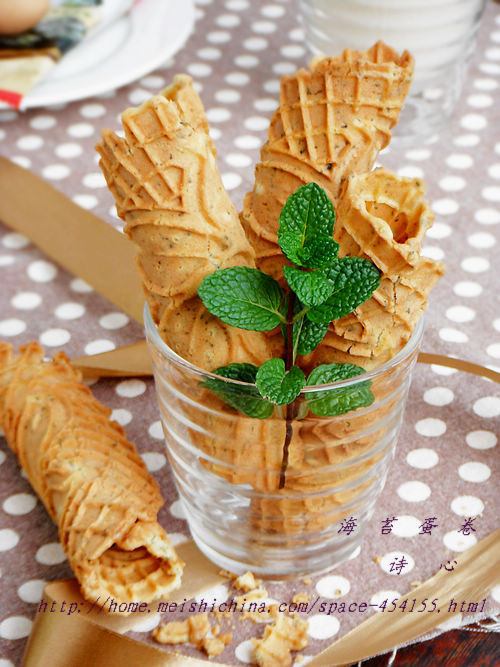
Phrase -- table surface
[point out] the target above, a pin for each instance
(445, 463)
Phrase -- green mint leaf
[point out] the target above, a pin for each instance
(334, 402)
(245, 399)
(313, 289)
(355, 279)
(277, 384)
(243, 297)
(310, 335)
(306, 228)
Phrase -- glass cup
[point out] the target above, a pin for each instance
(227, 467)
(440, 34)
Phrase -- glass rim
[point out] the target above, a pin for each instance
(153, 335)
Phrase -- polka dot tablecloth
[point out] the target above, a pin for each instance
(445, 462)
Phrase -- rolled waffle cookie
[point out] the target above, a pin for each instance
(90, 478)
(332, 120)
(384, 218)
(168, 190)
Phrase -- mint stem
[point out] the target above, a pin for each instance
(290, 408)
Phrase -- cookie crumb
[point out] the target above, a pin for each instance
(246, 582)
(307, 581)
(285, 635)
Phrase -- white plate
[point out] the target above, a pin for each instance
(129, 48)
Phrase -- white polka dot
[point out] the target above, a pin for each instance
(30, 142)
(255, 43)
(410, 171)
(392, 559)
(244, 651)
(50, 554)
(86, 201)
(494, 170)
(333, 586)
(481, 240)
(272, 86)
(453, 335)
(406, 526)
(466, 140)
(219, 592)
(231, 181)
(272, 11)
(492, 54)
(215, 133)
(467, 289)
(438, 396)
(263, 27)
(199, 69)
(430, 427)
(445, 206)
(322, 626)
(99, 346)
(496, 324)
(15, 627)
(177, 538)
(227, 96)
(414, 491)
(422, 458)
(15, 241)
(455, 621)
(237, 78)
(292, 51)
(20, 503)
(474, 471)
(6, 260)
(432, 252)
(176, 509)
(138, 96)
(154, 461)
(238, 160)
(80, 286)
(2, 454)
(495, 593)
(92, 110)
(460, 314)
(153, 81)
(284, 68)
(381, 596)
(12, 327)
(491, 193)
(473, 121)
(21, 160)
(485, 84)
(246, 61)
(218, 115)
(475, 264)
(8, 115)
(68, 150)
(95, 180)
(8, 539)
(56, 172)
(467, 506)
(265, 104)
(113, 321)
(69, 311)
(458, 541)
(219, 37)
(480, 101)
(156, 430)
(123, 417)
(42, 122)
(487, 216)
(31, 591)
(228, 20)
(55, 337)
(148, 624)
(489, 406)
(247, 141)
(80, 130)
(494, 350)
(256, 123)
(42, 271)
(439, 230)
(130, 388)
(209, 53)
(452, 183)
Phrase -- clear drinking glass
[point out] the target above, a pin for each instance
(440, 34)
(227, 466)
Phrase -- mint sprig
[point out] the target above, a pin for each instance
(322, 287)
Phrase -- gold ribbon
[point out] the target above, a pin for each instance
(97, 253)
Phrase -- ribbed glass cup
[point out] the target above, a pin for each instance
(440, 34)
(227, 466)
